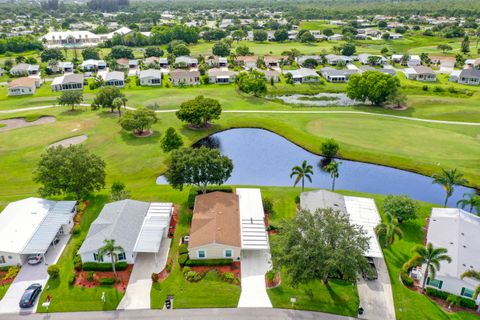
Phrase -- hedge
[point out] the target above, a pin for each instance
(406, 279)
(182, 249)
(95, 266)
(182, 259)
(464, 302)
(106, 281)
(194, 192)
(209, 262)
(468, 303)
(4, 269)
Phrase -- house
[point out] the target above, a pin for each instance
(271, 74)
(217, 62)
(225, 224)
(361, 211)
(186, 62)
(62, 67)
(334, 59)
(414, 61)
(454, 75)
(180, 77)
(395, 36)
(93, 65)
(303, 75)
(364, 59)
(458, 232)
(150, 77)
(72, 81)
(136, 226)
(25, 69)
(128, 63)
(30, 226)
(420, 73)
(389, 71)
(220, 76)
(60, 39)
(248, 62)
(154, 62)
(469, 76)
(472, 63)
(334, 75)
(23, 86)
(113, 78)
(336, 37)
(274, 62)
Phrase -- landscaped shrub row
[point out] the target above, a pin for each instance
(209, 262)
(72, 278)
(464, 302)
(195, 192)
(4, 269)
(95, 266)
(106, 281)
(406, 279)
(182, 259)
(182, 249)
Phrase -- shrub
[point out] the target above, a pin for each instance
(11, 272)
(468, 303)
(72, 278)
(76, 229)
(437, 293)
(270, 275)
(425, 88)
(77, 263)
(168, 266)
(155, 277)
(438, 89)
(267, 205)
(209, 262)
(229, 277)
(182, 259)
(107, 281)
(406, 279)
(271, 227)
(53, 271)
(186, 269)
(90, 276)
(4, 269)
(182, 249)
(297, 199)
(96, 266)
(76, 247)
(193, 276)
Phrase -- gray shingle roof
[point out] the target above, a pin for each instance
(313, 200)
(121, 221)
(470, 73)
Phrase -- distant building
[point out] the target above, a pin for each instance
(22, 86)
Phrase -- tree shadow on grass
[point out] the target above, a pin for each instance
(78, 111)
(130, 139)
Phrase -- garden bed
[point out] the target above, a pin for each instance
(234, 268)
(123, 277)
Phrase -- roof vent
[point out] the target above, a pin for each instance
(451, 242)
(464, 265)
(464, 246)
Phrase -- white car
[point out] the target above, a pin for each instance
(34, 259)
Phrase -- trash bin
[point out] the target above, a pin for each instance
(360, 311)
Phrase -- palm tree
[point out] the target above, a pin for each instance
(332, 168)
(431, 257)
(448, 178)
(390, 229)
(470, 199)
(474, 274)
(302, 172)
(111, 250)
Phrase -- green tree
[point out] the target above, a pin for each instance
(90, 53)
(373, 86)
(302, 172)
(281, 35)
(238, 35)
(465, 47)
(111, 250)
(119, 52)
(105, 98)
(472, 200)
(328, 32)
(402, 207)
(448, 178)
(384, 50)
(118, 191)
(171, 140)
(472, 274)
(397, 98)
(153, 52)
(374, 60)
(70, 98)
(181, 50)
(320, 245)
(329, 148)
(333, 169)
(306, 37)
(260, 35)
(349, 49)
(51, 54)
(199, 167)
(444, 48)
(310, 63)
(389, 229)
(253, 82)
(200, 111)
(431, 257)
(243, 51)
(221, 49)
(69, 170)
(139, 120)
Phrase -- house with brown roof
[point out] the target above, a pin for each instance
(274, 62)
(247, 62)
(181, 77)
(23, 86)
(215, 231)
(220, 76)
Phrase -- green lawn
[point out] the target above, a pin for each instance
(3, 290)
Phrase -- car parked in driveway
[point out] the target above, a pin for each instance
(370, 272)
(30, 295)
(34, 259)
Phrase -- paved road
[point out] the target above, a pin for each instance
(139, 286)
(376, 297)
(181, 314)
(255, 263)
(287, 112)
(28, 275)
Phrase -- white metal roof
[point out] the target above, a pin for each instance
(364, 212)
(153, 227)
(253, 233)
(27, 225)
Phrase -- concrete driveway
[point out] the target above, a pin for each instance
(254, 264)
(28, 275)
(137, 295)
(376, 296)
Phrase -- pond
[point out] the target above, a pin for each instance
(319, 100)
(263, 158)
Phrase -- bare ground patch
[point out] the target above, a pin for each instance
(70, 141)
(16, 123)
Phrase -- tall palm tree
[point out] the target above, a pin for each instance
(431, 257)
(448, 178)
(471, 199)
(390, 229)
(473, 274)
(302, 172)
(111, 249)
(332, 169)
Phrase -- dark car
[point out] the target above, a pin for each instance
(370, 272)
(30, 295)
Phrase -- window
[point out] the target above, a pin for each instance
(201, 254)
(121, 256)
(228, 253)
(2, 259)
(97, 257)
(467, 293)
(435, 283)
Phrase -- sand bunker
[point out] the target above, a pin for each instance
(70, 141)
(16, 123)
